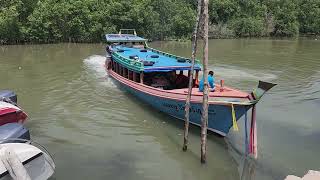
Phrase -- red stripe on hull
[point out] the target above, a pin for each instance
(179, 94)
(13, 117)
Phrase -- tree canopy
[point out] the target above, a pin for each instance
(48, 21)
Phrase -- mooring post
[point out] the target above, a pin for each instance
(204, 115)
(117, 68)
(190, 74)
(123, 71)
(141, 77)
(134, 77)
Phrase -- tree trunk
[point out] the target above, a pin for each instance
(204, 115)
(193, 56)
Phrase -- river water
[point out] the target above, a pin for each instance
(96, 131)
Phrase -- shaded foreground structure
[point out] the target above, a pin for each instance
(311, 175)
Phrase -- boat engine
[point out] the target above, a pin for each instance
(8, 96)
(12, 132)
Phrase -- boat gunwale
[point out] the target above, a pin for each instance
(129, 83)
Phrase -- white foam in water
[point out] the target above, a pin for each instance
(95, 65)
(228, 72)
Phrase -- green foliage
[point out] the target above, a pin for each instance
(9, 21)
(286, 21)
(183, 22)
(248, 26)
(88, 20)
(221, 11)
(309, 16)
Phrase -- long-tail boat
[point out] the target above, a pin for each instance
(161, 80)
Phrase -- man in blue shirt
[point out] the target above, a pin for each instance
(210, 82)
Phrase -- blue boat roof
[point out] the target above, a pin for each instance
(124, 38)
(163, 62)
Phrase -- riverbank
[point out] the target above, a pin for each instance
(184, 40)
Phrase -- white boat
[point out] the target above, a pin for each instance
(23, 161)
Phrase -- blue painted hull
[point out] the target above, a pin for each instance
(220, 117)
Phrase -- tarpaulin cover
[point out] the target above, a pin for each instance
(124, 38)
(162, 62)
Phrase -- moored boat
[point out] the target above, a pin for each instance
(8, 96)
(10, 112)
(25, 161)
(147, 73)
(13, 132)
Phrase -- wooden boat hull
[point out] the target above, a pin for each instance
(219, 115)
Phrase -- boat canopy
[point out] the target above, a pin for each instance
(115, 38)
(132, 51)
(150, 60)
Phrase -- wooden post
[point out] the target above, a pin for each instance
(141, 77)
(204, 115)
(134, 77)
(193, 56)
(128, 72)
(117, 67)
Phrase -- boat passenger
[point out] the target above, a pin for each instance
(210, 81)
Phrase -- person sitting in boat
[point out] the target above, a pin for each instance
(210, 82)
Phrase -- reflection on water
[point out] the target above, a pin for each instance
(96, 131)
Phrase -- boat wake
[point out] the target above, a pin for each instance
(94, 66)
(229, 72)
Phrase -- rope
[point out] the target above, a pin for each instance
(234, 119)
(246, 150)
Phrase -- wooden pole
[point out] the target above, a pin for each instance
(193, 56)
(134, 77)
(117, 67)
(204, 115)
(141, 77)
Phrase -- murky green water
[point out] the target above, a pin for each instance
(96, 131)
